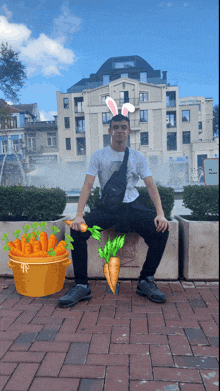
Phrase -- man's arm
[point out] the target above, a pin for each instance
(84, 195)
(154, 194)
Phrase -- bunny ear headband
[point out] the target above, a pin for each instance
(113, 107)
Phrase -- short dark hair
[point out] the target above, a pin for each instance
(118, 118)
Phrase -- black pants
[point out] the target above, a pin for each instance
(127, 220)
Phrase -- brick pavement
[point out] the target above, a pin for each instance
(111, 343)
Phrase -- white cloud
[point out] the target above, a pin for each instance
(7, 12)
(45, 54)
(169, 4)
(47, 116)
(185, 4)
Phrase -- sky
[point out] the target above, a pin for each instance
(60, 42)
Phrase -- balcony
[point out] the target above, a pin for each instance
(171, 124)
(171, 103)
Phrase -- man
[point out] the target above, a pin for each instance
(132, 217)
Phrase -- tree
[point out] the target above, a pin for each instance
(5, 115)
(12, 73)
(216, 121)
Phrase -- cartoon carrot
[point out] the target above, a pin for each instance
(112, 265)
(52, 241)
(17, 241)
(84, 227)
(43, 236)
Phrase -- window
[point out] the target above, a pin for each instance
(68, 144)
(67, 122)
(124, 64)
(78, 102)
(4, 146)
(144, 116)
(65, 103)
(124, 98)
(143, 97)
(80, 125)
(14, 122)
(106, 140)
(171, 119)
(199, 107)
(104, 97)
(106, 79)
(143, 77)
(106, 118)
(200, 125)
(14, 145)
(185, 115)
(186, 137)
(171, 98)
(81, 146)
(124, 75)
(171, 141)
(144, 138)
(51, 140)
(32, 143)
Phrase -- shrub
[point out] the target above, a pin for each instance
(203, 201)
(20, 203)
(166, 195)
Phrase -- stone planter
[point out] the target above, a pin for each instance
(199, 249)
(133, 255)
(10, 226)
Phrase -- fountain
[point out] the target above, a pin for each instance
(19, 163)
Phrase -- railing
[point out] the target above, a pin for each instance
(188, 102)
(79, 109)
(79, 129)
(171, 125)
(171, 103)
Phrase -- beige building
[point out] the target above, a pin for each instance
(174, 134)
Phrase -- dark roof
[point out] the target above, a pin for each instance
(26, 107)
(139, 63)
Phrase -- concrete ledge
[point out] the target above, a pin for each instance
(133, 255)
(199, 249)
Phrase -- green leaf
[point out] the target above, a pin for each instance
(96, 227)
(5, 238)
(54, 229)
(69, 246)
(6, 247)
(43, 225)
(26, 228)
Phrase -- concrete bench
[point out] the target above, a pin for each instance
(133, 255)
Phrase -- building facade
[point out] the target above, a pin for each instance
(174, 134)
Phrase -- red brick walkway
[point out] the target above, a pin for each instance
(111, 343)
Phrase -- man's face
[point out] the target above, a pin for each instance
(119, 131)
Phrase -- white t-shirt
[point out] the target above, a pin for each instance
(105, 161)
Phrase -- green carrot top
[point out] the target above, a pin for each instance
(111, 248)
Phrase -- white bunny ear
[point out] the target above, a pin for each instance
(112, 105)
(126, 108)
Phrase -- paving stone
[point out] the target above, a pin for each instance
(214, 341)
(91, 385)
(197, 302)
(211, 379)
(46, 335)
(196, 336)
(192, 387)
(153, 386)
(196, 362)
(25, 338)
(77, 353)
(22, 377)
(54, 384)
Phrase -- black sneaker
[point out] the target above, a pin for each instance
(148, 288)
(75, 294)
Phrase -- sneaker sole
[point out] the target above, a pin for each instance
(89, 297)
(140, 293)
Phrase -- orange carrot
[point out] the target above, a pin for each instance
(114, 266)
(83, 227)
(37, 246)
(52, 242)
(32, 240)
(39, 254)
(28, 249)
(62, 243)
(18, 253)
(11, 244)
(68, 222)
(59, 250)
(107, 276)
(44, 240)
(23, 242)
(17, 244)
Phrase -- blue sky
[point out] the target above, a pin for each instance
(61, 42)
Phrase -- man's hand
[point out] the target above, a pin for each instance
(161, 223)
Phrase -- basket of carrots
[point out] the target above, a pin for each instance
(38, 262)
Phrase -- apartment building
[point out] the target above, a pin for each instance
(174, 134)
